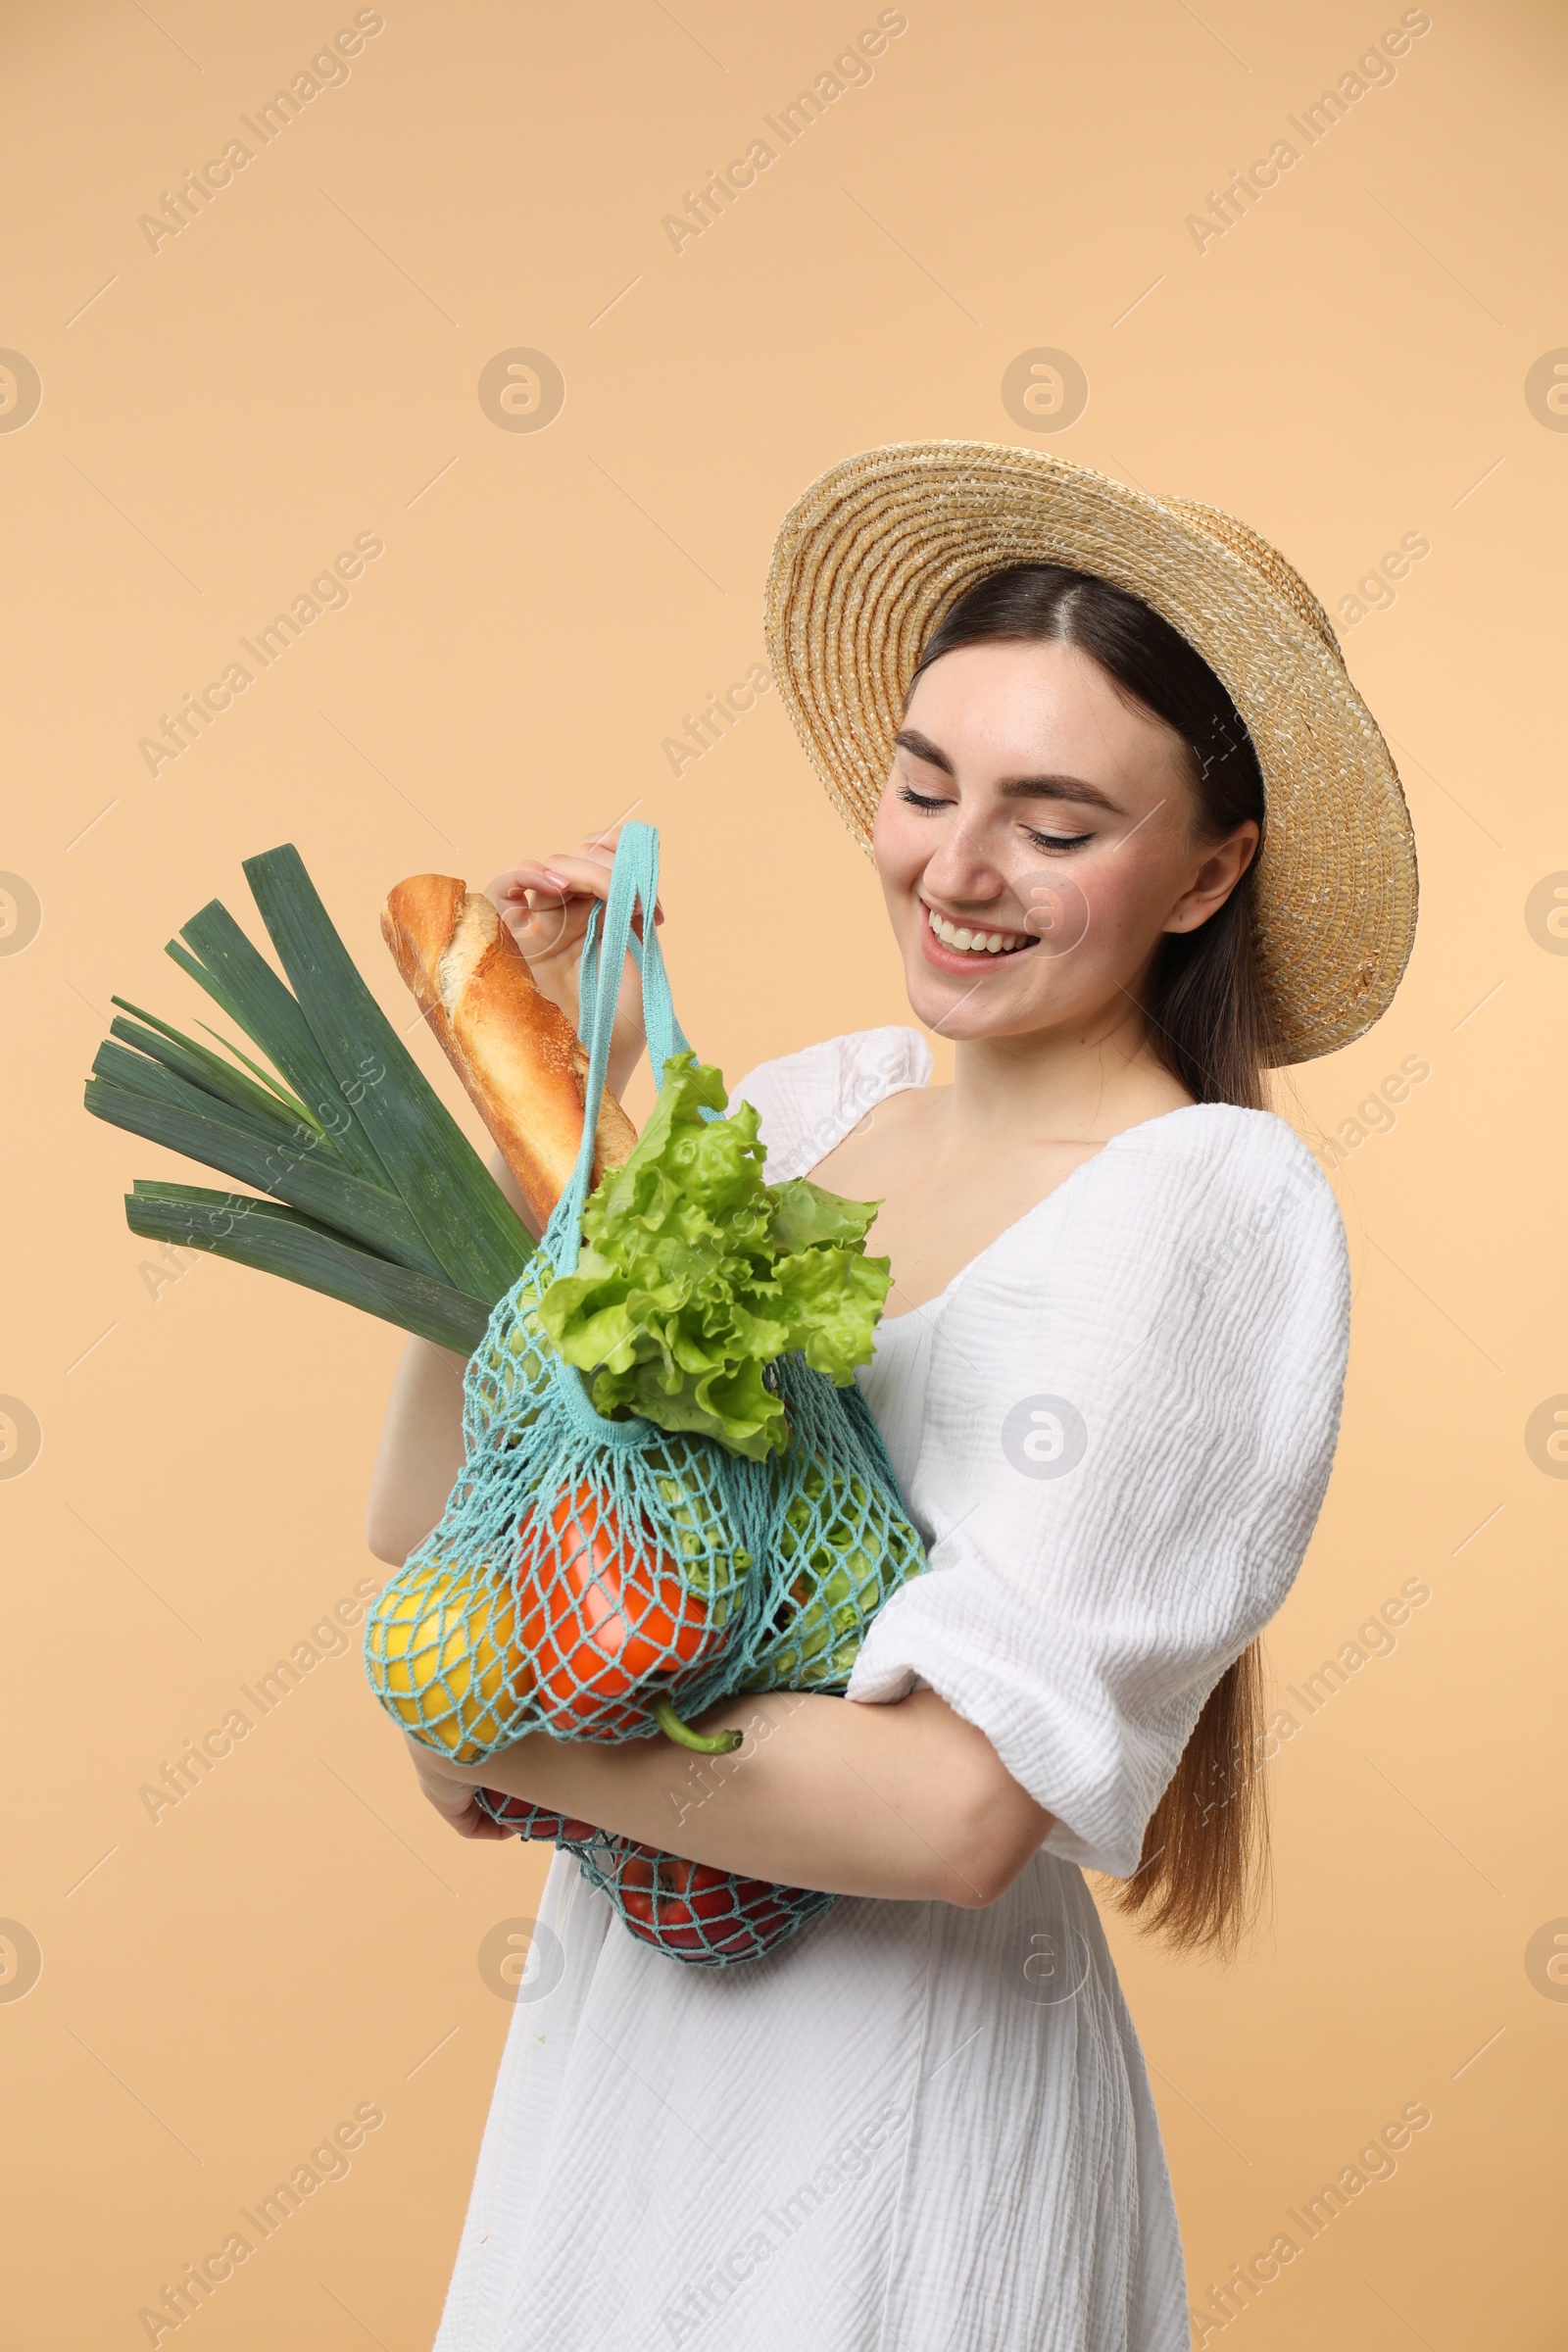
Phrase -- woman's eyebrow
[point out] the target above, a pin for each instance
(1059, 788)
(910, 739)
(1015, 788)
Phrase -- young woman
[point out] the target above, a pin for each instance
(1109, 1378)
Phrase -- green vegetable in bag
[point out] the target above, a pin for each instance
(696, 1273)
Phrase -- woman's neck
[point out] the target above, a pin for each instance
(1059, 1086)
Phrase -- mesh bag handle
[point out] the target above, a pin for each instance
(607, 942)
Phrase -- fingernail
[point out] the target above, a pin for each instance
(555, 881)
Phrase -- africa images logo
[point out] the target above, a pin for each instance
(1044, 1436)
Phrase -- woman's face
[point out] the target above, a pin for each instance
(1035, 840)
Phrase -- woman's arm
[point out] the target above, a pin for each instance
(421, 1438)
(421, 1452)
(907, 1803)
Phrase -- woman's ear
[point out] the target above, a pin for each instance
(1222, 869)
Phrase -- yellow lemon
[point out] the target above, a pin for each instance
(442, 1651)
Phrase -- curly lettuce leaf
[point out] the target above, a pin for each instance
(695, 1274)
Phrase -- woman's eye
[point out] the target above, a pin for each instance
(929, 802)
(920, 800)
(1057, 841)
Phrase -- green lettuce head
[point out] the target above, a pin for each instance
(695, 1274)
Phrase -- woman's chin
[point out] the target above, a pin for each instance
(993, 1003)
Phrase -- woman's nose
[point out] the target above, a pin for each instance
(962, 868)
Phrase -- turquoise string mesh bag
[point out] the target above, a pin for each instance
(837, 1544)
(602, 1574)
(686, 1910)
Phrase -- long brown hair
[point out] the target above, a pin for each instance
(1204, 1860)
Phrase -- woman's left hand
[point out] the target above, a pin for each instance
(452, 1792)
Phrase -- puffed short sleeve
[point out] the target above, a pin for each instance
(1130, 1411)
(810, 1100)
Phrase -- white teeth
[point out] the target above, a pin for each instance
(972, 942)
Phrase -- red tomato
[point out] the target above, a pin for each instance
(600, 1626)
(688, 1907)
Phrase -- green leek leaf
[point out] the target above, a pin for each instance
(150, 1100)
(277, 1241)
(468, 1224)
(236, 975)
(269, 1105)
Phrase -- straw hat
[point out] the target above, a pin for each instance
(877, 550)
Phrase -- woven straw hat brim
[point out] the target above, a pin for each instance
(877, 550)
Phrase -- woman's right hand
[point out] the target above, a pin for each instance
(544, 904)
(455, 1797)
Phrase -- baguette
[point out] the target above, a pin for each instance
(515, 1050)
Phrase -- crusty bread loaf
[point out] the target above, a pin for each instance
(515, 1050)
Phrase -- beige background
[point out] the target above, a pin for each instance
(1345, 367)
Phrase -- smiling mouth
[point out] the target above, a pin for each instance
(963, 941)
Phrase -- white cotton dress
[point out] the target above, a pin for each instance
(915, 2128)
